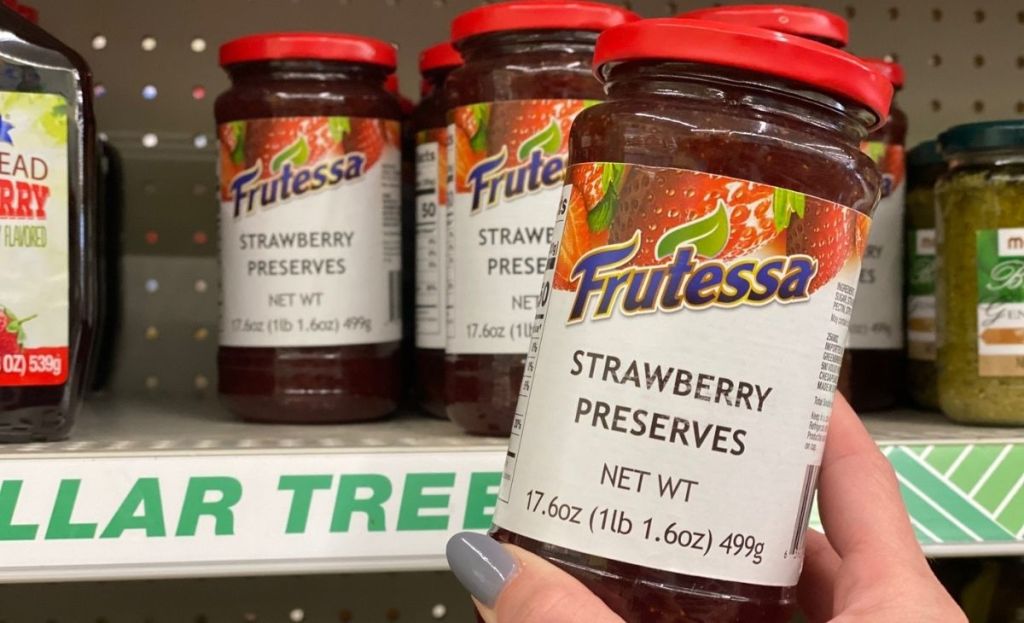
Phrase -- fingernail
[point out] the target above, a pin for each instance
(480, 564)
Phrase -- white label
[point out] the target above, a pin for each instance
(34, 253)
(1011, 242)
(921, 319)
(310, 233)
(431, 174)
(924, 242)
(878, 314)
(656, 426)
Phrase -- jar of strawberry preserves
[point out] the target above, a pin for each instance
(430, 124)
(310, 229)
(709, 229)
(526, 77)
(807, 22)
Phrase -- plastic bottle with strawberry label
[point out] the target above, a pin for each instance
(807, 22)
(310, 231)
(48, 290)
(430, 124)
(526, 77)
(707, 232)
(873, 374)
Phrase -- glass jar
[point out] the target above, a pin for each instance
(639, 450)
(872, 376)
(430, 124)
(310, 229)
(526, 77)
(924, 166)
(49, 296)
(980, 288)
(807, 22)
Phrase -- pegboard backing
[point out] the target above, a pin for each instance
(370, 598)
(156, 69)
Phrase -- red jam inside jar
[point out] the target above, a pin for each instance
(526, 76)
(807, 22)
(873, 376)
(705, 171)
(430, 126)
(310, 229)
(49, 294)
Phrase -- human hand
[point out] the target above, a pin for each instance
(868, 569)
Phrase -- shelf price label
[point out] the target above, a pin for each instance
(175, 515)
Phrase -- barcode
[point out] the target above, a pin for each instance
(394, 295)
(804, 514)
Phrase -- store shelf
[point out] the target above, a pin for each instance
(180, 489)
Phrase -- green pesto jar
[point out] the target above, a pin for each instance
(980, 286)
(924, 167)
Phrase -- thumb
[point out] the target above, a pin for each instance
(511, 585)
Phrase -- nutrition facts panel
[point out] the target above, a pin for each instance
(429, 248)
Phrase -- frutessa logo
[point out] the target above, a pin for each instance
(605, 281)
(641, 240)
(538, 165)
(265, 163)
(250, 190)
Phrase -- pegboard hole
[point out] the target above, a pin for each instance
(152, 333)
(392, 614)
(150, 140)
(439, 611)
(894, 13)
(935, 60)
(198, 45)
(149, 188)
(344, 616)
(936, 105)
(979, 60)
(249, 617)
(201, 286)
(1020, 107)
(1020, 62)
(149, 92)
(297, 615)
(979, 106)
(198, 92)
(99, 90)
(201, 334)
(99, 42)
(152, 237)
(199, 190)
(148, 44)
(200, 238)
(851, 11)
(202, 383)
(936, 15)
(200, 141)
(979, 15)
(152, 285)
(152, 382)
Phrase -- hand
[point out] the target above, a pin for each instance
(866, 568)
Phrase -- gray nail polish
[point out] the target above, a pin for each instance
(480, 564)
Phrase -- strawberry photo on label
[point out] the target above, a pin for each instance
(516, 126)
(12, 332)
(296, 140)
(828, 233)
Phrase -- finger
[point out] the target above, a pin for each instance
(821, 567)
(859, 498)
(510, 585)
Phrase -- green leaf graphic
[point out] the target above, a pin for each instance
(600, 218)
(237, 129)
(708, 234)
(549, 140)
(786, 203)
(339, 127)
(875, 150)
(297, 153)
(482, 114)
(611, 176)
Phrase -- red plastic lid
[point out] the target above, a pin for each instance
(743, 47)
(309, 45)
(539, 15)
(440, 56)
(892, 71)
(819, 24)
(29, 13)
